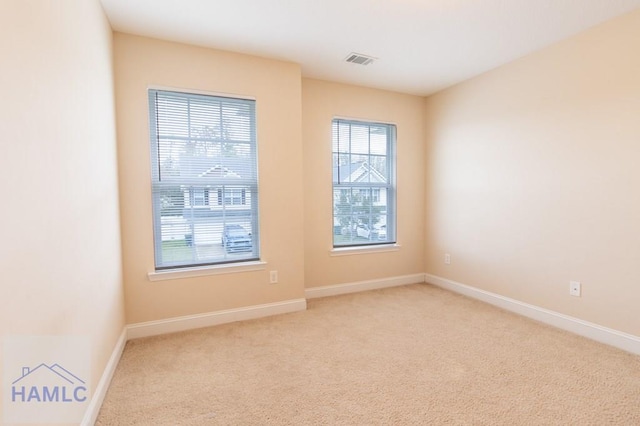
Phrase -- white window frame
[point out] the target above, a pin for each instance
(203, 193)
(374, 188)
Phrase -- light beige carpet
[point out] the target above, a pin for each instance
(410, 355)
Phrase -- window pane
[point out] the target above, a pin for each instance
(379, 169)
(378, 140)
(363, 186)
(359, 139)
(341, 137)
(204, 180)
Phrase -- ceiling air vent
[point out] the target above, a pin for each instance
(356, 58)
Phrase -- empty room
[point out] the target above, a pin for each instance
(318, 212)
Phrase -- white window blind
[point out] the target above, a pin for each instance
(364, 191)
(204, 179)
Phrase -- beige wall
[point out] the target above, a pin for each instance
(142, 63)
(60, 258)
(321, 102)
(534, 178)
(287, 178)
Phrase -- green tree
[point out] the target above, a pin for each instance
(369, 213)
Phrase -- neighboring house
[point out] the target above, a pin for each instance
(360, 172)
(215, 197)
(195, 206)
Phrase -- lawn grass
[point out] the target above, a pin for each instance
(176, 251)
(345, 240)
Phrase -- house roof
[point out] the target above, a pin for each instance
(218, 171)
(212, 167)
(357, 172)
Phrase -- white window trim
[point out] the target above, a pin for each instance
(353, 250)
(200, 92)
(218, 268)
(364, 119)
(225, 268)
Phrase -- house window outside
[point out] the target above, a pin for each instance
(199, 197)
(232, 197)
(204, 179)
(364, 184)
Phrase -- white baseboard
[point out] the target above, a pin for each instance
(334, 290)
(189, 322)
(100, 390)
(618, 339)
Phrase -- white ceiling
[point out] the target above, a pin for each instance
(422, 46)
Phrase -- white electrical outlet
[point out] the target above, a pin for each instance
(575, 288)
(273, 277)
(447, 258)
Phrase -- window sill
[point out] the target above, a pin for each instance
(347, 251)
(231, 268)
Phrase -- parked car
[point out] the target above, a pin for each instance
(382, 233)
(236, 238)
(375, 233)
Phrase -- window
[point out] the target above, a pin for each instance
(204, 179)
(232, 197)
(363, 183)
